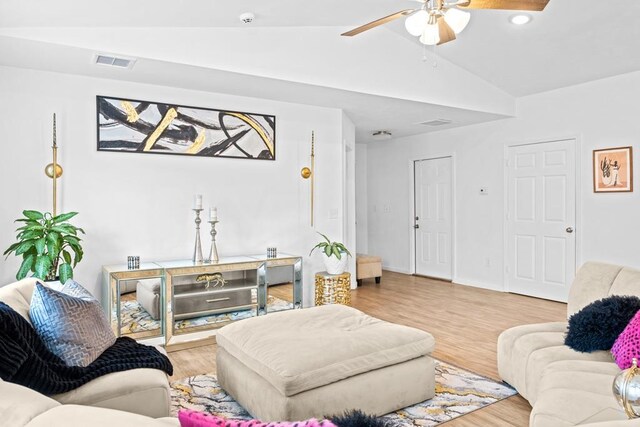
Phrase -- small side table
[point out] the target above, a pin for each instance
(333, 288)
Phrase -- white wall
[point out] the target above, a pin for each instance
(361, 199)
(349, 192)
(133, 204)
(599, 114)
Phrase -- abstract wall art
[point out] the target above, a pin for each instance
(133, 126)
(613, 170)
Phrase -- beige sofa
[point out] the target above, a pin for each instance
(20, 406)
(140, 391)
(565, 387)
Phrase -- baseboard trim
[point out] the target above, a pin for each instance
(476, 284)
(396, 270)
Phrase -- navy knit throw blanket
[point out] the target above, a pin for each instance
(25, 360)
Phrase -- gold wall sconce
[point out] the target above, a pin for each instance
(308, 172)
(54, 166)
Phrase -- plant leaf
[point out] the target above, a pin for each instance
(26, 235)
(27, 221)
(31, 251)
(41, 245)
(43, 264)
(36, 227)
(63, 217)
(318, 246)
(66, 256)
(325, 237)
(327, 250)
(53, 236)
(66, 272)
(34, 215)
(53, 250)
(78, 254)
(336, 252)
(25, 246)
(65, 229)
(343, 248)
(11, 248)
(73, 240)
(26, 267)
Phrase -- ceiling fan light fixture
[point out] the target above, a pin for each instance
(416, 23)
(457, 19)
(431, 34)
(520, 19)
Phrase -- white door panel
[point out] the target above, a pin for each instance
(541, 213)
(433, 213)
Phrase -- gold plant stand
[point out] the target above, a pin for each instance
(333, 288)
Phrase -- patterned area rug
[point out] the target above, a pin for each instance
(137, 319)
(458, 392)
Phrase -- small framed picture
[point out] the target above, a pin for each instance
(613, 170)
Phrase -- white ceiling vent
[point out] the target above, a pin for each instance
(114, 61)
(436, 122)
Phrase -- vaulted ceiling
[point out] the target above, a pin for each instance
(384, 79)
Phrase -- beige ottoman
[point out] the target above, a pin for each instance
(321, 361)
(368, 267)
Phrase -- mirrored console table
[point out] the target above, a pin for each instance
(181, 303)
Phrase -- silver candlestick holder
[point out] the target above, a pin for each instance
(197, 250)
(213, 252)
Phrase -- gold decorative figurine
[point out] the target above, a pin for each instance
(54, 166)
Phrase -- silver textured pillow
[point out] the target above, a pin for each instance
(71, 323)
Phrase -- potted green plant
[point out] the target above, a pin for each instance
(334, 255)
(46, 243)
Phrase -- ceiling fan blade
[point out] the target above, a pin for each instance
(534, 5)
(378, 22)
(446, 33)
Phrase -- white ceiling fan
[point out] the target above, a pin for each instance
(438, 21)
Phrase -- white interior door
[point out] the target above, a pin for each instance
(433, 217)
(541, 214)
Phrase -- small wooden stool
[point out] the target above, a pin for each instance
(368, 267)
(333, 288)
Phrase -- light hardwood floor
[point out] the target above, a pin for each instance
(465, 322)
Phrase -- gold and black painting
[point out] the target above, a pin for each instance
(127, 125)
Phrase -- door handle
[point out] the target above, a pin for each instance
(569, 230)
(416, 226)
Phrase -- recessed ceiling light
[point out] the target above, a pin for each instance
(247, 17)
(520, 19)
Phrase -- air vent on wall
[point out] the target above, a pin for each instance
(114, 61)
(436, 122)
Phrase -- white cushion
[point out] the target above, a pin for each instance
(626, 283)
(300, 350)
(525, 351)
(18, 296)
(19, 405)
(142, 391)
(83, 416)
